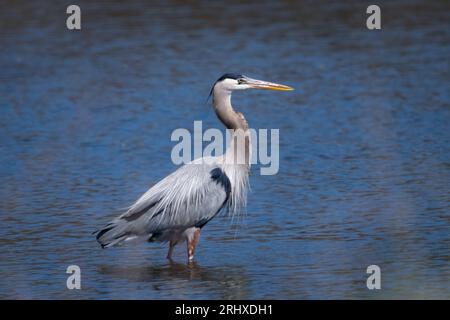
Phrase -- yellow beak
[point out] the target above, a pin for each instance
(258, 84)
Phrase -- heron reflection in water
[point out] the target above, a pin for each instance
(177, 208)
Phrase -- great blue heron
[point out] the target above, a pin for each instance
(179, 206)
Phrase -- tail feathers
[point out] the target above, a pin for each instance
(115, 233)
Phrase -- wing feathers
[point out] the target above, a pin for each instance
(190, 196)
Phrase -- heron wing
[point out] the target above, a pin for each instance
(190, 196)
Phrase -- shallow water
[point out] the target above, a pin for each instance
(85, 128)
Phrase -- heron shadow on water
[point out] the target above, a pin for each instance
(228, 281)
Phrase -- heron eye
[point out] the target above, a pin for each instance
(240, 81)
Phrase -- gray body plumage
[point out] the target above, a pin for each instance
(187, 198)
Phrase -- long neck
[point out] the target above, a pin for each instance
(239, 151)
(236, 161)
(224, 110)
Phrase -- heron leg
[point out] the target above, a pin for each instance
(171, 246)
(192, 243)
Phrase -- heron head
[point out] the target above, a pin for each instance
(233, 81)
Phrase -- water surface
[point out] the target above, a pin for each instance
(85, 128)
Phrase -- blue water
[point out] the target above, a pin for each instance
(85, 125)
